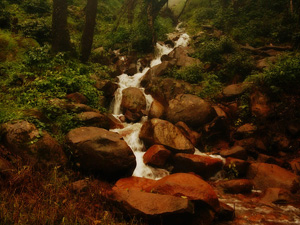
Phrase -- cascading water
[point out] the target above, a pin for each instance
(131, 131)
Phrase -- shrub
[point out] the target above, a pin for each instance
(36, 6)
(192, 74)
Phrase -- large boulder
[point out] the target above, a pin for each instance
(193, 136)
(162, 132)
(155, 71)
(149, 205)
(272, 176)
(31, 143)
(205, 166)
(165, 89)
(133, 103)
(188, 186)
(180, 56)
(100, 151)
(94, 119)
(190, 109)
(134, 183)
(260, 106)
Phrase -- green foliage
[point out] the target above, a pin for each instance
(36, 6)
(232, 172)
(211, 86)
(37, 28)
(192, 74)
(282, 77)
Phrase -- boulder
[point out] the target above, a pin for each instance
(156, 110)
(240, 166)
(94, 119)
(180, 55)
(113, 122)
(77, 98)
(295, 165)
(138, 203)
(272, 176)
(234, 90)
(100, 151)
(109, 89)
(205, 166)
(237, 152)
(260, 106)
(155, 71)
(276, 195)
(162, 132)
(30, 143)
(193, 136)
(245, 131)
(190, 109)
(188, 186)
(226, 212)
(165, 89)
(156, 156)
(134, 183)
(236, 186)
(133, 103)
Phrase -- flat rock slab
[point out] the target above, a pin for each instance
(141, 203)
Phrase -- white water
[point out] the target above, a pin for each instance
(131, 131)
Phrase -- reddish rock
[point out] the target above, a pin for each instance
(94, 119)
(270, 159)
(205, 166)
(295, 165)
(133, 103)
(187, 185)
(237, 152)
(236, 186)
(113, 122)
(281, 142)
(77, 98)
(100, 151)
(239, 165)
(260, 104)
(162, 132)
(109, 89)
(134, 183)
(156, 110)
(156, 156)
(276, 195)
(245, 131)
(193, 136)
(79, 186)
(134, 202)
(190, 109)
(271, 176)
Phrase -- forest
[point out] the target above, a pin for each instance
(149, 112)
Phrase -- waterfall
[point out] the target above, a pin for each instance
(131, 131)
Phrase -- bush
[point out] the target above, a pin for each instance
(192, 74)
(282, 77)
(38, 29)
(36, 6)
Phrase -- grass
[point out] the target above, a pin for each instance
(45, 196)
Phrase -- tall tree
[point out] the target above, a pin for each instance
(153, 9)
(89, 27)
(60, 33)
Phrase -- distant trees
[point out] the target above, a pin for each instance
(60, 33)
(89, 27)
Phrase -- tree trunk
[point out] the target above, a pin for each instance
(151, 19)
(60, 33)
(89, 27)
(291, 7)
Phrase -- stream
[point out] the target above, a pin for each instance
(247, 208)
